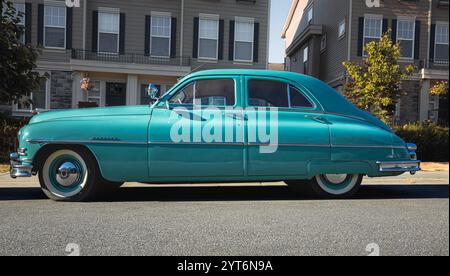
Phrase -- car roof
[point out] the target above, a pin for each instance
(250, 72)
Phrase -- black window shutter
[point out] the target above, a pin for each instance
(69, 21)
(385, 26)
(40, 24)
(417, 41)
(360, 36)
(432, 41)
(195, 42)
(221, 37)
(173, 38)
(148, 20)
(122, 34)
(394, 31)
(28, 19)
(231, 41)
(256, 43)
(94, 31)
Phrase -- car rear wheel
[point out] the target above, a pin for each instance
(329, 185)
(70, 174)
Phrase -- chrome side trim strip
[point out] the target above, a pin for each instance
(197, 143)
(290, 145)
(43, 142)
(368, 146)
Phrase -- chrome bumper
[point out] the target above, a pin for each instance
(17, 169)
(411, 166)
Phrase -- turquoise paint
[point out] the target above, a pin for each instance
(341, 143)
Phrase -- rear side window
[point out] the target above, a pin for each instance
(267, 93)
(215, 92)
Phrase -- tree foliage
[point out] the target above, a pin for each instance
(17, 60)
(375, 84)
(439, 89)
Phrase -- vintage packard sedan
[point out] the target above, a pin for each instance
(215, 126)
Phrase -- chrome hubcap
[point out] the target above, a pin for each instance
(336, 178)
(67, 174)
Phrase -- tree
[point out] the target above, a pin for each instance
(374, 86)
(17, 60)
(439, 89)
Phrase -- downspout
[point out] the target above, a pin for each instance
(349, 42)
(182, 33)
(268, 35)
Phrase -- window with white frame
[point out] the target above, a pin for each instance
(160, 35)
(108, 32)
(37, 99)
(405, 36)
(373, 29)
(310, 14)
(208, 38)
(55, 27)
(441, 43)
(20, 13)
(342, 29)
(243, 44)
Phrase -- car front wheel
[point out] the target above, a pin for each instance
(329, 185)
(70, 174)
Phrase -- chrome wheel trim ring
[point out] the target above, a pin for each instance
(48, 182)
(334, 189)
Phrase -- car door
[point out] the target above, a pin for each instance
(283, 115)
(198, 132)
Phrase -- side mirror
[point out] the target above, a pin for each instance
(152, 91)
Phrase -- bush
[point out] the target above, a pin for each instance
(431, 140)
(8, 136)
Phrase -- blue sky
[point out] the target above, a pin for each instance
(278, 13)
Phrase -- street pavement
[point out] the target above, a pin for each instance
(407, 215)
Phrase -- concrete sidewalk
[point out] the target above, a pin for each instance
(405, 179)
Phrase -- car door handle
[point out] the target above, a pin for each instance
(316, 118)
(237, 116)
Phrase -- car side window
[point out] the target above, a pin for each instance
(297, 99)
(215, 92)
(267, 93)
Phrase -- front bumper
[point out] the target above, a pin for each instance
(17, 168)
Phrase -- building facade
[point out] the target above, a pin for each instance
(321, 34)
(122, 46)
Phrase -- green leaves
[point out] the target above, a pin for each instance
(374, 84)
(17, 60)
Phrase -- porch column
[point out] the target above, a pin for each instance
(132, 90)
(77, 93)
(424, 100)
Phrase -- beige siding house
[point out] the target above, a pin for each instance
(321, 34)
(125, 45)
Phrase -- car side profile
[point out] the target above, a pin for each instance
(215, 126)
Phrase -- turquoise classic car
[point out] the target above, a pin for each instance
(215, 126)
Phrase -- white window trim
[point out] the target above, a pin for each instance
(65, 26)
(109, 11)
(244, 20)
(371, 16)
(23, 19)
(15, 106)
(435, 39)
(309, 9)
(413, 19)
(161, 14)
(216, 18)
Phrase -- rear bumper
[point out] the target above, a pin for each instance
(411, 166)
(17, 168)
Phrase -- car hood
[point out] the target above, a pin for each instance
(90, 112)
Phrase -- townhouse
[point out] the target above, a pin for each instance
(122, 46)
(321, 34)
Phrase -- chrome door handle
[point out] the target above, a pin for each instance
(237, 116)
(316, 118)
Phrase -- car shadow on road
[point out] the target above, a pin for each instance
(254, 193)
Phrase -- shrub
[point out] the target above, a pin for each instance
(431, 140)
(8, 136)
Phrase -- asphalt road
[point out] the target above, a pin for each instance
(402, 216)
